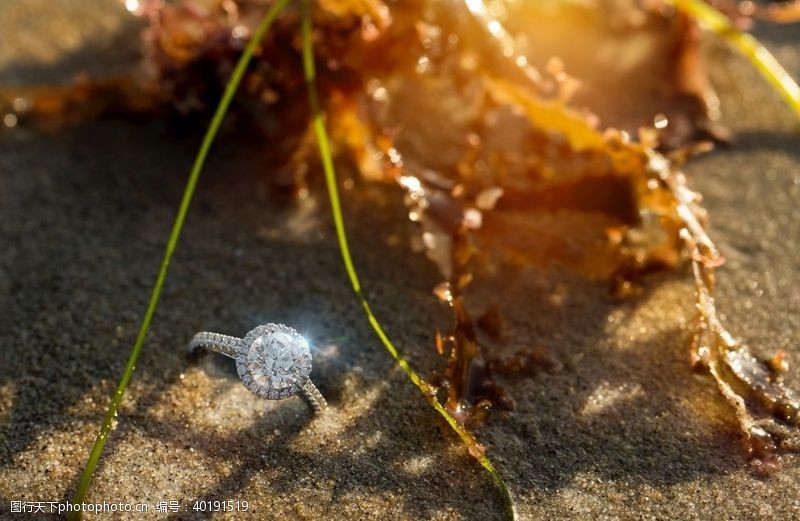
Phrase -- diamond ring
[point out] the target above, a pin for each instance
(273, 361)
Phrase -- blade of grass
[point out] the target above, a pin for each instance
(747, 44)
(341, 234)
(208, 139)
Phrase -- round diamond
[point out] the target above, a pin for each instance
(277, 361)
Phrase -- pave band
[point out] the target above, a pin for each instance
(273, 361)
(227, 345)
(314, 397)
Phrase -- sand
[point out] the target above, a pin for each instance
(624, 431)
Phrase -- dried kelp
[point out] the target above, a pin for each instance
(738, 373)
(551, 188)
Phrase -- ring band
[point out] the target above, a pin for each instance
(273, 361)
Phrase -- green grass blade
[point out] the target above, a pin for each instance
(227, 97)
(341, 234)
(745, 43)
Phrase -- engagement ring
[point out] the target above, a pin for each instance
(273, 361)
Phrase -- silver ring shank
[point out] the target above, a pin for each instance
(227, 345)
(314, 397)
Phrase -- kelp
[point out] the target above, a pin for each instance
(553, 189)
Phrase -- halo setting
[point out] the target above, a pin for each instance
(275, 361)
